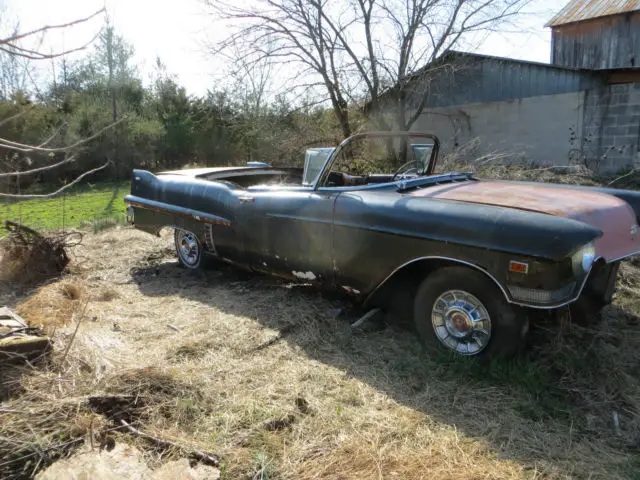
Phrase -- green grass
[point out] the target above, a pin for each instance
(88, 203)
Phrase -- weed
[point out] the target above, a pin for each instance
(263, 467)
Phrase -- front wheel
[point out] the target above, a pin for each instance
(461, 310)
(188, 248)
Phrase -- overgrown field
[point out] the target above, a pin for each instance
(270, 376)
(83, 205)
(195, 358)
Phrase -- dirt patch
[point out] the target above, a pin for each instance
(151, 382)
(190, 351)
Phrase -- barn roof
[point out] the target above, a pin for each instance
(580, 10)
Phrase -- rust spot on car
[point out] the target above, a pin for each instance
(611, 215)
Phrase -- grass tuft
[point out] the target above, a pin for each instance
(52, 305)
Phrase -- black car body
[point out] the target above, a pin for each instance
(534, 245)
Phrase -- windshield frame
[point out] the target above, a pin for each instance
(322, 179)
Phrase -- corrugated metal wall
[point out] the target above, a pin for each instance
(477, 79)
(603, 43)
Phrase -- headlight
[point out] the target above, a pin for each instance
(582, 260)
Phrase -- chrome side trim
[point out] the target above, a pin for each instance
(162, 207)
(482, 270)
(455, 260)
(614, 260)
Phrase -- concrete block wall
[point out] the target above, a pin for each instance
(611, 127)
(599, 127)
(538, 130)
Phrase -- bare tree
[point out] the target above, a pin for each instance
(13, 46)
(360, 51)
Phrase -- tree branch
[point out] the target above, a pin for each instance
(21, 147)
(20, 36)
(39, 169)
(60, 190)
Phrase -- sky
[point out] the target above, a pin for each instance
(178, 31)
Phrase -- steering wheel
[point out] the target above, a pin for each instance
(403, 169)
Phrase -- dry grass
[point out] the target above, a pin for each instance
(108, 294)
(52, 305)
(320, 403)
(473, 157)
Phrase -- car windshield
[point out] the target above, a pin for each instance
(422, 156)
(378, 158)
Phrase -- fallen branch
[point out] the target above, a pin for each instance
(205, 457)
(28, 256)
(75, 332)
(281, 334)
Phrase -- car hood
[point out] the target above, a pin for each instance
(612, 216)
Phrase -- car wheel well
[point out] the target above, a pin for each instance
(395, 294)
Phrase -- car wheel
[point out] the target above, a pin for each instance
(586, 311)
(188, 248)
(462, 311)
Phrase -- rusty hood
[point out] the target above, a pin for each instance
(611, 215)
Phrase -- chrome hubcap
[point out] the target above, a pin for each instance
(461, 322)
(188, 247)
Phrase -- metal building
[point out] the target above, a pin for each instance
(597, 34)
(583, 107)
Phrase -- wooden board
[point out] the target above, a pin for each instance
(10, 321)
(16, 344)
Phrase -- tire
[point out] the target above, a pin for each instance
(471, 315)
(586, 311)
(188, 249)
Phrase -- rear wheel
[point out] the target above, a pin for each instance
(462, 311)
(188, 248)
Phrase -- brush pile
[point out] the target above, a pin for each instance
(27, 256)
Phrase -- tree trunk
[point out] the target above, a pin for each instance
(114, 105)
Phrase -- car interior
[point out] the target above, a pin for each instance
(391, 160)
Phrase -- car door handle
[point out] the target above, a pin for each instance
(246, 199)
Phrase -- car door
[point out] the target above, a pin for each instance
(289, 231)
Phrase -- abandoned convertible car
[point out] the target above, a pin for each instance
(468, 258)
